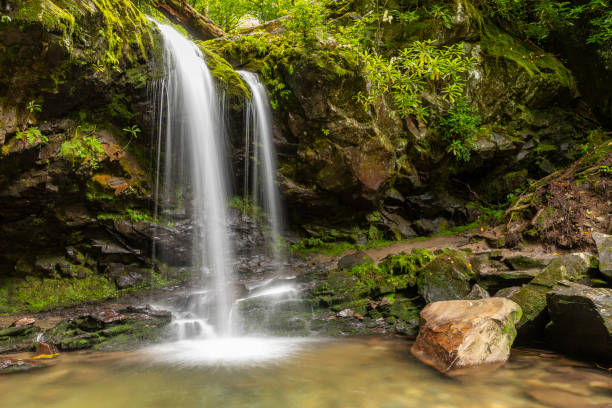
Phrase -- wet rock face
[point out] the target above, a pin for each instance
(56, 203)
(110, 330)
(337, 161)
(581, 319)
(464, 334)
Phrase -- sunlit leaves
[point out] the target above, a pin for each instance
(422, 66)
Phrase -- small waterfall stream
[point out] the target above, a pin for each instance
(193, 138)
(260, 155)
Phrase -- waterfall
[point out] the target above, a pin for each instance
(259, 143)
(192, 137)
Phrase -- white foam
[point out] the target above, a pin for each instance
(227, 350)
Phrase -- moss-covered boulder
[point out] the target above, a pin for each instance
(581, 319)
(532, 296)
(447, 277)
(110, 330)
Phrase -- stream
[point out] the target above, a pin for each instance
(360, 372)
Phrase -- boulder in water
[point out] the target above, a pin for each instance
(462, 334)
(14, 365)
(581, 319)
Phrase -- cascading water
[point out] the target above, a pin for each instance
(191, 157)
(192, 136)
(259, 143)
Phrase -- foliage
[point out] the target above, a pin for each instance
(459, 129)
(605, 170)
(231, 14)
(84, 147)
(396, 272)
(30, 135)
(403, 264)
(536, 19)
(245, 206)
(133, 131)
(422, 66)
(307, 21)
(317, 245)
(137, 216)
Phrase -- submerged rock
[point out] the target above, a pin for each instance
(581, 319)
(463, 334)
(604, 249)
(13, 365)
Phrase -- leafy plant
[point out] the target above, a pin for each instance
(133, 131)
(536, 19)
(31, 107)
(84, 147)
(459, 129)
(30, 135)
(420, 67)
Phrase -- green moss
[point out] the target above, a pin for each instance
(407, 265)
(224, 73)
(510, 328)
(37, 294)
(533, 60)
(532, 300)
(447, 277)
(122, 28)
(54, 18)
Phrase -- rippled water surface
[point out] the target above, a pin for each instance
(371, 372)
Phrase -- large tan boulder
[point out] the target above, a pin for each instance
(461, 334)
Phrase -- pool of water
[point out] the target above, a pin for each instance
(375, 372)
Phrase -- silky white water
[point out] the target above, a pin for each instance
(260, 144)
(192, 173)
(192, 139)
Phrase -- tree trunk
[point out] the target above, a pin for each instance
(196, 24)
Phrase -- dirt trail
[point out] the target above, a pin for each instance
(456, 241)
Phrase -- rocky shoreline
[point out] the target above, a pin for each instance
(352, 294)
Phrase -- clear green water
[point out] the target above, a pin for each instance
(370, 372)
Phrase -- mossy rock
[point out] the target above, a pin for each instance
(447, 277)
(521, 262)
(532, 297)
(224, 73)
